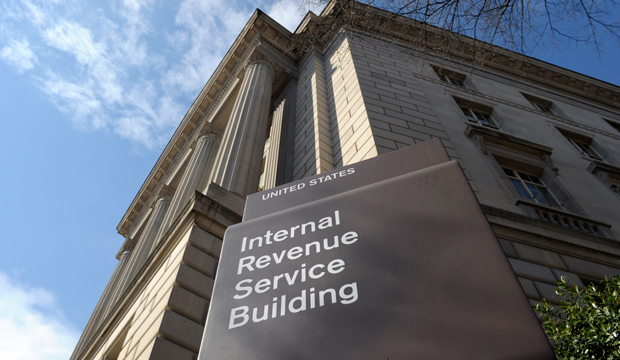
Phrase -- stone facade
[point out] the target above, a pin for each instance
(270, 115)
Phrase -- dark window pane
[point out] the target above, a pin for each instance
(535, 179)
(523, 176)
(520, 189)
(537, 195)
(509, 172)
(550, 199)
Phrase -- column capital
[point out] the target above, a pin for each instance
(207, 134)
(126, 248)
(258, 58)
(165, 193)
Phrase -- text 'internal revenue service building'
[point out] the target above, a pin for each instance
(371, 269)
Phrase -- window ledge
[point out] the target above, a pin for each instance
(592, 159)
(566, 219)
(597, 166)
(502, 139)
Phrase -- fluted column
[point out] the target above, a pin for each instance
(126, 253)
(99, 313)
(193, 179)
(279, 165)
(146, 243)
(241, 152)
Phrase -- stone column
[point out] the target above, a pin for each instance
(99, 313)
(279, 165)
(193, 179)
(241, 152)
(146, 243)
(126, 252)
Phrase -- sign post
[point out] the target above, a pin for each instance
(400, 268)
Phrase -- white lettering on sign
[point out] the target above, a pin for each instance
(269, 194)
(347, 294)
(299, 255)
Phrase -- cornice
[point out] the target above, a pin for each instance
(482, 55)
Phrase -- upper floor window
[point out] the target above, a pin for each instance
(479, 117)
(541, 105)
(450, 76)
(582, 143)
(615, 125)
(585, 149)
(477, 113)
(615, 186)
(530, 187)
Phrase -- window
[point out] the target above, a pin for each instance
(480, 117)
(614, 186)
(585, 149)
(541, 105)
(450, 76)
(530, 187)
(615, 125)
(607, 173)
(582, 143)
(477, 113)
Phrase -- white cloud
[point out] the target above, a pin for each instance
(19, 55)
(288, 13)
(31, 325)
(135, 128)
(127, 67)
(212, 26)
(78, 101)
(75, 39)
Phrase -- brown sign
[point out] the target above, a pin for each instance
(346, 178)
(404, 268)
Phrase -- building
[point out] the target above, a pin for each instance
(538, 143)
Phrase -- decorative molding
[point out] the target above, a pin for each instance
(567, 220)
(260, 58)
(608, 174)
(483, 135)
(597, 167)
(537, 223)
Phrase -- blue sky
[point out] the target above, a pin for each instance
(90, 93)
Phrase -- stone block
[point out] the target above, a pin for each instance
(199, 260)
(394, 136)
(529, 289)
(532, 271)
(188, 304)
(206, 242)
(165, 350)
(507, 247)
(539, 256)
(181, 330)
(194, 281)
(386, 143)
(547, 291)
(387, 119)
(423, 135)
(588, 268)
(570, 277)
(378, 124)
